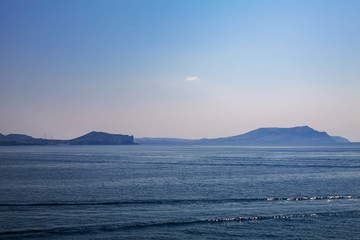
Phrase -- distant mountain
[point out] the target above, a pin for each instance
(262, 136)
(92, 138)
(102, 138)
(279, 136)
(21, 139)
(15, 137)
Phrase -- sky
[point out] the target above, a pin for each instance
(181, 68)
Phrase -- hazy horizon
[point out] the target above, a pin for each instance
(180, 69)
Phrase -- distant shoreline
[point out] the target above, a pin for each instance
(296, 136)
(92, 138)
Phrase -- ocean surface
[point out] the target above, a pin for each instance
(179, 192)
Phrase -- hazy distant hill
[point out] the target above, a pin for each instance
(279, 136)
(22, 139)
(15, 137)
(262, 136)
(101, 138)
(92, 138)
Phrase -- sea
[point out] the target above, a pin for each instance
(179, 192)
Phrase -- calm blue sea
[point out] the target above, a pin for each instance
(179, 192)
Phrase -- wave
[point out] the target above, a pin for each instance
(174, 201)
(118, 227)
(329, 214)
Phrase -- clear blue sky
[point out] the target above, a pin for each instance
(188, 69)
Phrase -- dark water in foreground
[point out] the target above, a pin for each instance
(179, 192)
